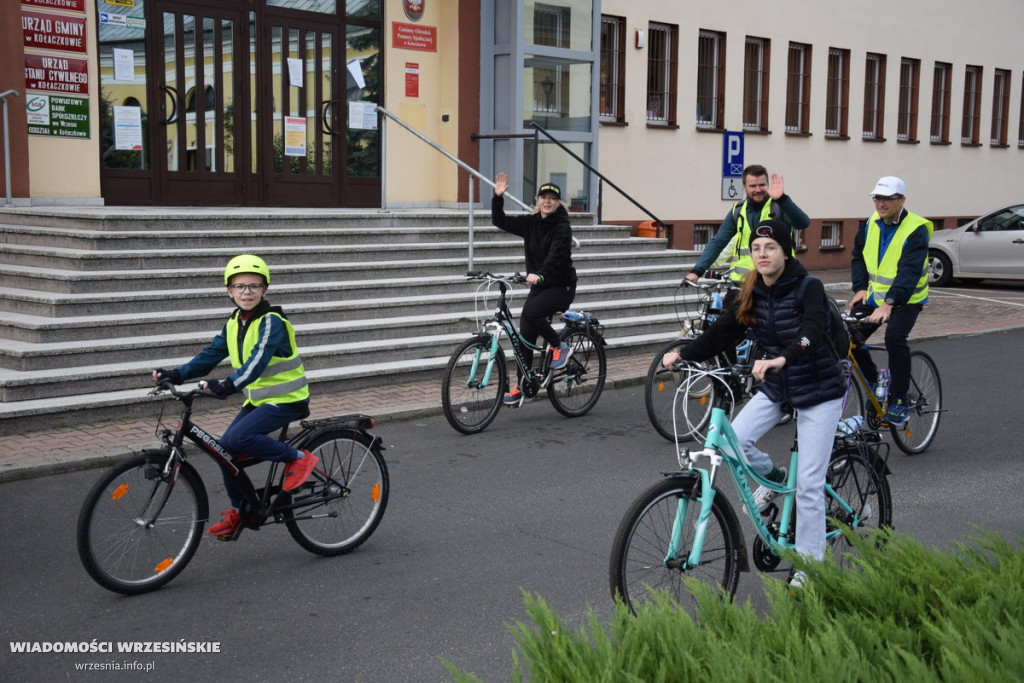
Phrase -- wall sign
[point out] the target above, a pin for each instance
(412, 37)
(53, 31)
(69, 75)
(70, 5)
(56, 115)
(412, 79)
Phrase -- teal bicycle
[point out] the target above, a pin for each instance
(684, 526)
(476, 376)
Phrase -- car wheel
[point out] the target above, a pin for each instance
(940, 270)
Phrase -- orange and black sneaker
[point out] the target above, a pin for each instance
(515, 398)
(229, 523)
(297, 471)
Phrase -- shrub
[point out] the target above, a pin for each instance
(907, 613)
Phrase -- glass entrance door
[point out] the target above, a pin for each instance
(199, 159)
(304, 113)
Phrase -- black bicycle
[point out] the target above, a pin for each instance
(142, 521)
(476, 377)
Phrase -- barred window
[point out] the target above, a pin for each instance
(662, 68)
(702, 234)
(613, 68)
(755, 84)
(1000, 107)
(942, 80)
(874, 96)
(831, 234)
(710, 79)
(910, 79)
(837, 95)
(971, 124)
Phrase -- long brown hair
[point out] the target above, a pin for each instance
(745, 300)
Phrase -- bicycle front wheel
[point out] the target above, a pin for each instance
(924, 397)
(470, 404)
(643, 561)
(345, 498)
(857, 495)
(693, 408)
(574, 390)
(138, 529)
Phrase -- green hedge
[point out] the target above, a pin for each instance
(908, 613)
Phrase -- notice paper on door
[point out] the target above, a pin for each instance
(295, 72)
(362, 116)
(294, 136)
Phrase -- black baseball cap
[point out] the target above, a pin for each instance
(550, 188)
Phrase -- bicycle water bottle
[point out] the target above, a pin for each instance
(572, 316)
(850, 425)
(882, 386)
(716, 301)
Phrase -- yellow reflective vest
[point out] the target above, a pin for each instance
(742, 263)
(283, 380)
(882, 275)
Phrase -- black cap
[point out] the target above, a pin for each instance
(776, 230)
(550, 188)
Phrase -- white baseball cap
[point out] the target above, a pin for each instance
(889, 185)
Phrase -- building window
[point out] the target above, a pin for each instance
(831, 234)
(798, 241)
(1020, 126)
(942, 83)
(798, 90)
(1000, 107)
(874, 96)
(551, 25)
(910, 82)
(662, 69)
(702, 234)
(971, 125)
(755, 84)
(613, 69)
(837, 94)
(710, 79)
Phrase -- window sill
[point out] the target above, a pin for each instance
(756, 131)
(709, 129)
(664, 126)
(941, 143)
(873, 139)
(797, 134)
(837, 137)
(999, 146)
(839, 247)
(613, 124)
(908, 142)
(970, 144)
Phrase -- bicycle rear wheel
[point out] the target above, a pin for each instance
(857, 478)
(137, 529)
(692, 410)
(574, 390)
(345, 498)
(924, 397)
(469, 406)
(641, 563)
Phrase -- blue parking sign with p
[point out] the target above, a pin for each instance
(732, 154)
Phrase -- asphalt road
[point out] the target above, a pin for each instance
(530, 505)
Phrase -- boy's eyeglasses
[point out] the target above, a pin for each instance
(239, 289)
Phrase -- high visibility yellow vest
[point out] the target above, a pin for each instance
(742, 263)
(882, 275)
(283, 381)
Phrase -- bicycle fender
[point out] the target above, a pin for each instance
(728, 513)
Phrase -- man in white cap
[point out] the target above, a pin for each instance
(890, 282)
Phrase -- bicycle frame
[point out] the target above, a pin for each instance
(722, 447)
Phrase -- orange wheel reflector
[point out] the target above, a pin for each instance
(119, 491)
(376, 493)
(703, 400)
(661, 387)
(164, 566)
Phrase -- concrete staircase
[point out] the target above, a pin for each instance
(92, 299)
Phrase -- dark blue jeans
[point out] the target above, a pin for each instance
(901, 322)
(248, 435)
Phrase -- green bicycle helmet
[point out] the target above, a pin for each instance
(246, 263)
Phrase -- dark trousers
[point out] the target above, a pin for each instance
(540, 305)
(901, 322)
(248, 435)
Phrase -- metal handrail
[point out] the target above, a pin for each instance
(657, 221)
(7, 146)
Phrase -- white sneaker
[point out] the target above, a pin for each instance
(798, 580)
(762, 496)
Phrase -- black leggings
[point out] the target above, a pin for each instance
(540, 305)
(901, 322)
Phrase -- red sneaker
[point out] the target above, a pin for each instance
(297, 471)
(228, 524)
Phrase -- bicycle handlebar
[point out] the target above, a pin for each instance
(515, 278)
(165, 385)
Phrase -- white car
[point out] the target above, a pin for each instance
(990, 247)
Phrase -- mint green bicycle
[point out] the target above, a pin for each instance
(684, 526)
